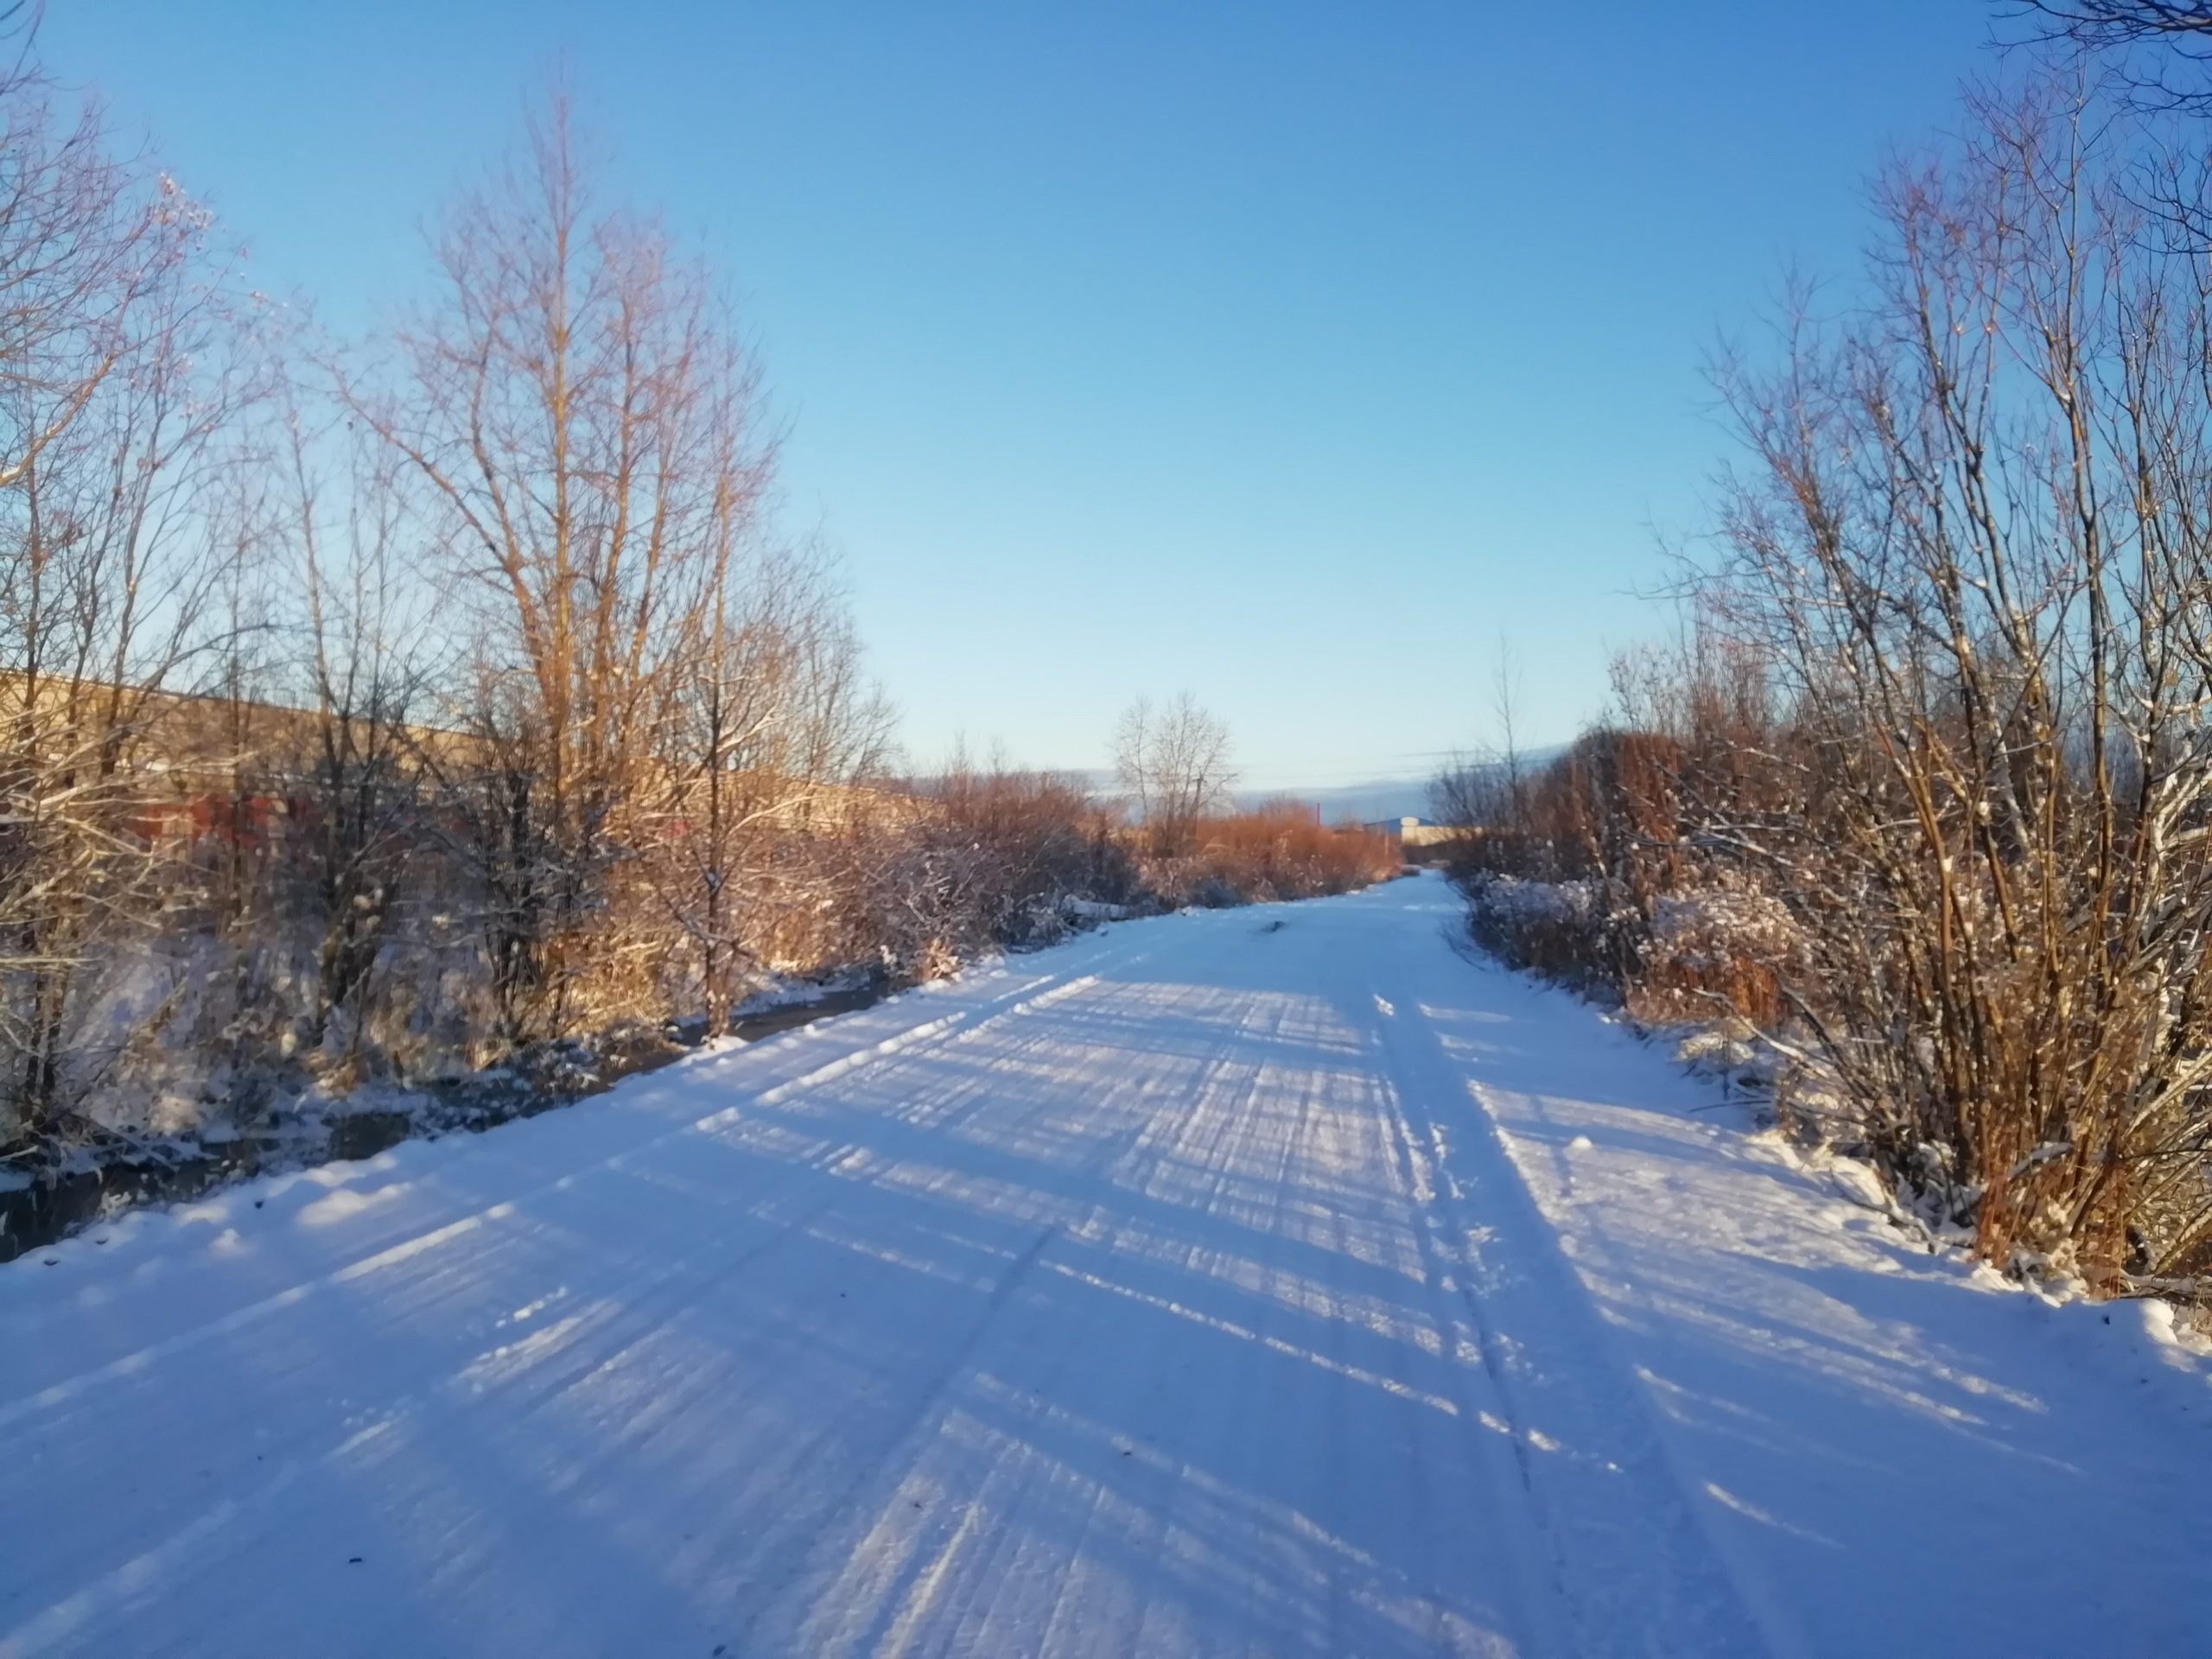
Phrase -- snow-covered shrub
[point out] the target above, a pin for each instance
(1568, 930)
(1727, 947)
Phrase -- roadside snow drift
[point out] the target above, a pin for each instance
(1207, 1287)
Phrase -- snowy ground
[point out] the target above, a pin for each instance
(1196, 1288)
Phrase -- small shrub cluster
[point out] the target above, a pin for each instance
(1276, 852)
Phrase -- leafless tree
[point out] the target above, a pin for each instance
(1505, 707)
(586, 423)
(1974, 552)
(1489, 790)
(2104, 23)
(774, 731)
(2160, 49)
(362, 678)
(1467, 793)
(1174, 763)
(124, 368)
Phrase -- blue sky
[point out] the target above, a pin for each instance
(1290, 354)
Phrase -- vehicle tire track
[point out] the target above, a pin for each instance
(1586, 1436)
(960, 1026)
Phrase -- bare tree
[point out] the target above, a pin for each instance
(2103, 23)
(2161, 49)
(1974, 552)
(773, 730)
(1175, 766)
(1465, 793)
(354, 770)
(123, 369)
(1505, 706)
(1489, 790)
(586, 423)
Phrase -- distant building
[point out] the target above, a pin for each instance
(1399, 829)
(1410, 831)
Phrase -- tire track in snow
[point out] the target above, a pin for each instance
(961, 1025)
(859, 1528)
(1572, 1409)
(645, 1304)
(1540, 1573)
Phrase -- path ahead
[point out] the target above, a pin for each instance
(1260, 1282)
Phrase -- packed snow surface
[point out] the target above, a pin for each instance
(1205, 1286)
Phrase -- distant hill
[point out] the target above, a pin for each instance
(1383, 797)
(1378, 798)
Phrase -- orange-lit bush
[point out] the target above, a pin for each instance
(1276, 851)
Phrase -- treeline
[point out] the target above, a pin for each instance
(1925, 792)
(1000, 857)
(377, 709)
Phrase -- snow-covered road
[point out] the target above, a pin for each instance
(1268, 1281)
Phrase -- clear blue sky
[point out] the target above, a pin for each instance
(1289, 353)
